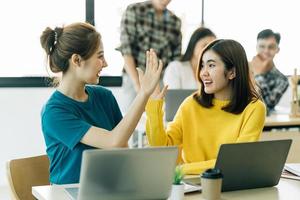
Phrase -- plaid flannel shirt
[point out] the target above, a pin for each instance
(273, 84)
(142, 30)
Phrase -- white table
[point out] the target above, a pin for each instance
(282, 120)
(286, 189)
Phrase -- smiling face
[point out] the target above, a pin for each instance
(267, 47)
(215, 77)
(90, 69)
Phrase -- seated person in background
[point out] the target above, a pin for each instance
(182, 74)
(270, 80)
(78, 116)
(226, 109)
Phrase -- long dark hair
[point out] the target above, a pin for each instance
(234, 56)
(197, 35)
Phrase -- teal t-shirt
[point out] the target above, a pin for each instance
(65, 121)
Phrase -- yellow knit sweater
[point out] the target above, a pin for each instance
(200, 131)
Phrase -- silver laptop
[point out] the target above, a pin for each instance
(173, 99)
(250, 165)
(126, 174)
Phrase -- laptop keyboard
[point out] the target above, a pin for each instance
(72, 192)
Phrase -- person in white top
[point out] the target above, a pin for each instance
(182, 74)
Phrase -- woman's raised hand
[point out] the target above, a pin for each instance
(150, 79)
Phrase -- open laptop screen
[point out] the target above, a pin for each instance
(252, 165)
(117, 174)
(173, 100)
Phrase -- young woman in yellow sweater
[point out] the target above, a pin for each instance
(226, 109)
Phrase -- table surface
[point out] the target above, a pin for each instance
(281, 120)
(286, 189)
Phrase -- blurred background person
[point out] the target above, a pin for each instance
(271, 81)
(147, 25)
(182, 74)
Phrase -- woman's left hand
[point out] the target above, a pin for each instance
(150, 79)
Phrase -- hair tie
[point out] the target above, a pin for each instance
(57, 32)
(55, 37)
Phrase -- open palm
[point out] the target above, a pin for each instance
(150, 79)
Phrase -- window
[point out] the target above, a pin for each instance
(22, 23)
(243, 20)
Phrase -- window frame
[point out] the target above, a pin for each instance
(43, 81)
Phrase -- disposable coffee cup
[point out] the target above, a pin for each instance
(211, 182)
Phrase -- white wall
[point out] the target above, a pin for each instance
(20, 124)
(20, 129)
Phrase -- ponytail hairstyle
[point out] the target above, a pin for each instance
(62, 42)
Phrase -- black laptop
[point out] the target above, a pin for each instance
(250, 165)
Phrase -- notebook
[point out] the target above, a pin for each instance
(289, 175)
(293, 168)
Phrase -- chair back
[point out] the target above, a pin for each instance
(25, 173)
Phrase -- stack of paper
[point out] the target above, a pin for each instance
(292, 171)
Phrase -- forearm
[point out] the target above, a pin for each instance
(156, 133)
(253, 124)
(149, 81)
(130, 68)
(125, 128)
(119, 136)
(154, 125)
(198, 167)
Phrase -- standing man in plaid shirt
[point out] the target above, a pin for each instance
(147, 25)
(271, 81)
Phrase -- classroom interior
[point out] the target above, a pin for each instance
(23, 71)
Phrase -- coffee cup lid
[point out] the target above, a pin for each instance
(212, 174)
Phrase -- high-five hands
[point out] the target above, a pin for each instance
(159, 94)
(150, 79)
